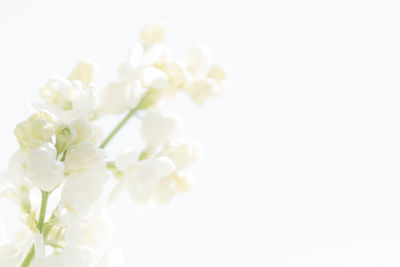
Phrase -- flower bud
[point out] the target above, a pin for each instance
(217, 72)
(39, 128)
(153, 33)
(84, 156)
(56, 91)
(181, 153)
(42, 167)
(65, 136)
(201, 90)
(159, 128)
(83, 72)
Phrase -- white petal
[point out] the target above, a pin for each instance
(159, 128)
(154, 78)
(113, 99)
(126, 158)
(81, 190)
(44, 170)
(134, 94)
(198, 59)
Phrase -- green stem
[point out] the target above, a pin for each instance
(43, 207)
(40, 224)
(118, 127)
(29, 257)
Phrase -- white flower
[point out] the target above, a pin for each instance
(86, 132)
(92, 232)
(153, 33)
(139, 67)
(141, 175)
(207, 80)
(201, 90)
(13, 184)
(84, 156)
(217, 72)
(82, 189)
(178, 75)
(160, 127)
(69, 257)
(68, 100)
(198, 59)
(13, 253)
(10, 255)
(39, 128)
(43, 168)
(117, 97)
(166, 188)
(182, 153)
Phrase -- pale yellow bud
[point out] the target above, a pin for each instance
(83, 72)
(153, 33)
(56, 91)
(217, 72)
(39, 128)
(182, 184)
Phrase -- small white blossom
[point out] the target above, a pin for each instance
(10, 255)
(86, 132)
(168, 187)
(68, 100)
(141, 175)
(207, 79)
(82, 189)
(84, 156)
(182, 153)
(117, 97)
(38, 129)
(160, 127)
(43, 168)
(72, 256)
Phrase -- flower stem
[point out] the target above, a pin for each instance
(29, 257)
(118, 127)
(40, 224)
(43, 207)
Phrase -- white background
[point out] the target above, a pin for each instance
(301, 152)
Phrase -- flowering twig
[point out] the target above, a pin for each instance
(60, 150)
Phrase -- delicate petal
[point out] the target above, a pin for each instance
(154, 78)
(159, 128)
(84, 156)
(182, 153)
(198, 59)
(126, 158)
(44, 170)
(86, 132)
(153, 33)
(114, 99)
(82, 189)
(135, 55)
(135, 93)
(217, 72)
(202, 89)
(10, 256)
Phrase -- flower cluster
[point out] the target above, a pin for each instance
(58, 173)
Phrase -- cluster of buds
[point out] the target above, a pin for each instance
(62, 156)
